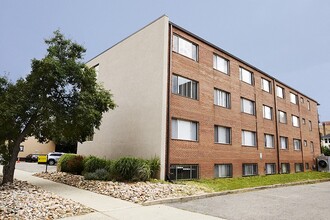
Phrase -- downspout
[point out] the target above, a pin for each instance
(276, 126)
(168, 121)
(301, 139)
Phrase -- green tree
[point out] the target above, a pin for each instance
(325, 150)
(59, 99)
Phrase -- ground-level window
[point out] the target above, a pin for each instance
(223, 170)
(285, 168)
(183, 172)
(299, 167)
(307, 166)
(270, 168)
(250, 169)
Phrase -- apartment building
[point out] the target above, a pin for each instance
(324, 128)
(204, 112)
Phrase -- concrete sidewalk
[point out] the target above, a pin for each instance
(107, 207)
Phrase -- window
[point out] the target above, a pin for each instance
(249, 138)
(283, 143)
(265, 85)
(310, 125)
(293, 98)
(222, 135)
(90, 137)
(295, 121)
(296, 144)
(221, 98)
(307, 166)
(184, 87)
(220, 64)
(269, 141)
(185, 47)
(285, 168)
(308, 105)
(247, 106)
(183, 172)
(312, 146)
(250, 169)
(223, 170)
(246, 76)
(282, 117)
(184, 130)
(21, 148)
(268, 112)
(301, 99)
(280, 92)
(305, 143)
(303, 121)
(299, 167)
(270, 168)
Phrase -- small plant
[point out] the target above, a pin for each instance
(92, 163)
(99, 174)
(154, 165)
(71, 163)
(131, 169)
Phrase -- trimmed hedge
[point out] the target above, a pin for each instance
(71, 163)
(92, 163)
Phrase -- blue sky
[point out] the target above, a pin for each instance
(289, 40)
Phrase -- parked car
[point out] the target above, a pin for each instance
(32, 157)
(53, 157)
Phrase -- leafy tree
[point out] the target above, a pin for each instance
(325, 150)
(59, 99)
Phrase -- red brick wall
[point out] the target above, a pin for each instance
(205, 152)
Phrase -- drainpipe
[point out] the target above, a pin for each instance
(276, 126)
(168, 121)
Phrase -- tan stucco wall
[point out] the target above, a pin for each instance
(136, 72)
(31, 145)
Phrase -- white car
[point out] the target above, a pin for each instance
(53, 157)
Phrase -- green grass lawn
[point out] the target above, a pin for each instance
(222, 184)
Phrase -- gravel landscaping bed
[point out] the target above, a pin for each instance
(21, 200)
(138, 192)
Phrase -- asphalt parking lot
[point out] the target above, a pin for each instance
(293, 202)
(34, 167)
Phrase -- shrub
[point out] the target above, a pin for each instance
(154, 165)
(99, 174)
(71, 163)
(92, 163)
(131, 169)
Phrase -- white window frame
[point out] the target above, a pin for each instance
(221, 64)
(267, 112)
(248, 106)
(270, 168)
(249, 138)
(221, 138)
(179, 130)
(269, 141)
(295, 121)
(188, 87)
(185, 47)
(293, 98)
(287, 168)
(282, 115)
(283, 143)
(223, 170)
(297, 144)
(266, 85)
(280, 92)
(246, 76)
(222, 98)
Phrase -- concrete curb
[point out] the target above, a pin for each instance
(208, 195)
